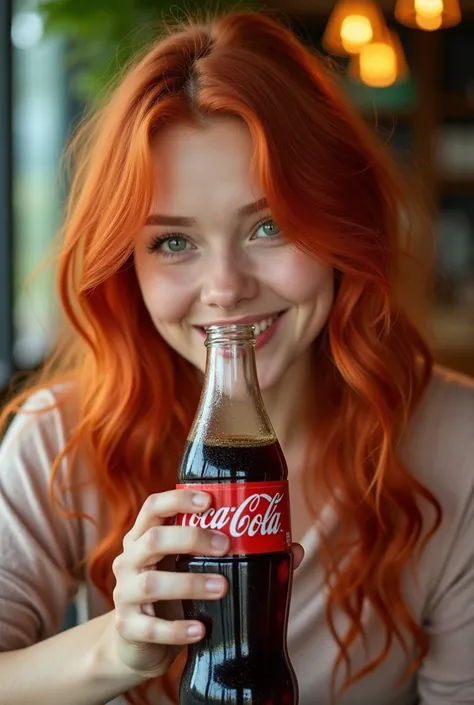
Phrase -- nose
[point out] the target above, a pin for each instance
(228, 282)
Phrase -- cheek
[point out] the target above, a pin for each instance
(168, 295)
(300, 279)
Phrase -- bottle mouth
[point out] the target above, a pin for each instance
(230, 334)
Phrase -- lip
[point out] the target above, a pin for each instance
(236, 321)
(262, 339)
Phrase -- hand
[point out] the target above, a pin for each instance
(148, 629)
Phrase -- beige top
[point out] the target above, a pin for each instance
(39, 552)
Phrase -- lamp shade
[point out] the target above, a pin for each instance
(429, 24)
(380, 64)
(351, 25)
(428, 14)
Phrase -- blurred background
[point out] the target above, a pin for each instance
(408, 66)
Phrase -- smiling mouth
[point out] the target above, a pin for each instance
(260, 325)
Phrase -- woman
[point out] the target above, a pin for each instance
(227, 179)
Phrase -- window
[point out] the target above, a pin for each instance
(39, 127)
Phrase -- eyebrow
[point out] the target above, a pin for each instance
(183, 221)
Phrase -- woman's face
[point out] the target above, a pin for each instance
(211, 253)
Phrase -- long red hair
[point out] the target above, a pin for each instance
(335, 193)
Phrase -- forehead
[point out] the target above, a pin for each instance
(205, 166)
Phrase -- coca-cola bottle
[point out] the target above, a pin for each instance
(233, 454)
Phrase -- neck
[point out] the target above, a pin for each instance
(286, 402)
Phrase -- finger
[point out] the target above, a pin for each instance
(139, 629)
(148, 609)
(161, 506)
(154, 585)
(160, 541)
(298, 555)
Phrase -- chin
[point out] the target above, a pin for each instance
(268, 375)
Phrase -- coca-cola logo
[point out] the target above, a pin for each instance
(257, 514)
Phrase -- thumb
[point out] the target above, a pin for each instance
(298, 554)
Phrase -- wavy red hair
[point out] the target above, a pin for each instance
(335, 193)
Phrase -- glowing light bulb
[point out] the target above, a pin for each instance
(378, 65)
(429, 8)
(356, 31)
(429, 23)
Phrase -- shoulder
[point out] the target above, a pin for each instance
(41, 425)
(441, 454)
(450, 396)
(35, 439)
(35, 453)
(439, 451)
(439, 444)
(41, 537)
(35, 462)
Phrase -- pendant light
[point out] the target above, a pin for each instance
(428, 14)
(429, 24)
(351, 25)
(380, 64)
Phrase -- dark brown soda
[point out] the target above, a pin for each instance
(241, 660)
(238, 460)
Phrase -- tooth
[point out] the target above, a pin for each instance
(263, 325)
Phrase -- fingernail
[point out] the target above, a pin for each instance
(194, 631)
(213, 585)
(200, 499)
(219, 541)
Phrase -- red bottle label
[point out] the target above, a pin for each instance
(254, 515)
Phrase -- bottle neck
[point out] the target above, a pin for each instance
(231, 408)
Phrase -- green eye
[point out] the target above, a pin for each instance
(175, 244)
(267, 230)
(169, 245)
